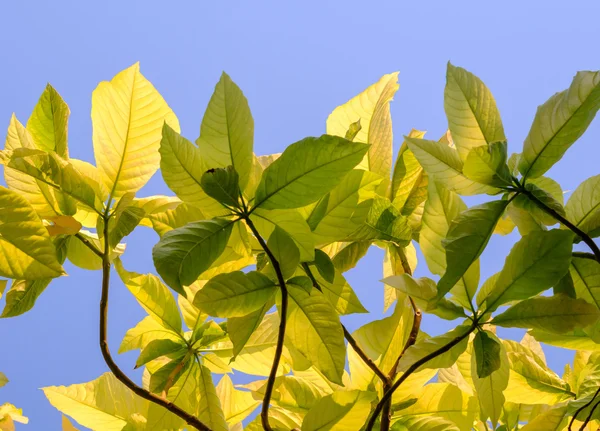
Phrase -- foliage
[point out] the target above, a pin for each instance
(253, 251)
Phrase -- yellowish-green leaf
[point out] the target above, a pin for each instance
(235, 294)
(558, 123)
(314, 329)
(443, 163)
(287, 254)
(533, 265)
(227, 130)
(340, 411)
(26, 250)
(306, 171)
(146, 331)
(49, 121)
(423, 423)
(104, 404)
(127, 117)
(467, 237)
(583, 207)
(556, 314)
(473, 117)
(237, 405)
(153, 296)
(184, 253)
(67, 425)
(487, 165)
(372, 109)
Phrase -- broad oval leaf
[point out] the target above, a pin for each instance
(26, 250)
(314, 329)
(306, 171)
(583, 207)
(558, 123)
(127, 117)
(49, 121)
(235, 294)
(473, 118)
(556, 314)
(184, 253)
(340, 411)
(287, 254)
(467, 237)
(534, 264)
(487, 165)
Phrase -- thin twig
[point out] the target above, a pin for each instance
(584, 255)
(348, 336)
(388, 394)
(88, 244)
(119, 374)
(584, 236)
(589, 417)
(264, 414)
(580, 409)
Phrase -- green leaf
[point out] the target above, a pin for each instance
(163, 222)
(549, 193)
(340, 294)
(556, 314)
(383, 222)
(153, 296)
(372, 109)
(491, 387)
(347, 258)
(227, 130)
(487, 165)
(235, 294)
(583, 207)
(23, 294)
(344, 209)
(423, 423)
(445, 401)
(441, 208)
(26, 250)
(126, 217)
(383, 340)
(313, 322)
(3, 379)
(424, 292)
(184, 253)
(279, 419)
(237, 405)
(240, 329)
(127, 116)
(285, 251)
(182, 167)
(306, 171)
(487, 354)
(535, 263)
(80, 255)
(222, 184)
(49, 121)
(473, 118)
(586, 279)
(324, 265)
(408, 175)
(104, 404)
(558, 123)
(353, 130)
(429, 345)
(444, 164)
(146, 331)
(163, 378)
(290, 392)
(292, 223)
(343, 411)
(531, 381)
(157, 348)
(467, 237)
(575, 340)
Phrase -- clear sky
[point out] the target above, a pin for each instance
(295, 61)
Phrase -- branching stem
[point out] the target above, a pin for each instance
(264, 414)
(580, 409)
(119, 374)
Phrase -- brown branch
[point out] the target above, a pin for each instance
(580, 409)
(119, 374)
(264, 414)
(387, 396)
(348, 336)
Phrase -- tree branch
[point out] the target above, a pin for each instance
(348, 336)
(119, 374)
(89, 245)
(584, 236)
(589, 417)
(387, 396)
(386, 415)
(580, 409)
(264, 414)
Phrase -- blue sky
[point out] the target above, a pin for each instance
(295, 61)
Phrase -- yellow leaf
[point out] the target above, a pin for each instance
(127, 117)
